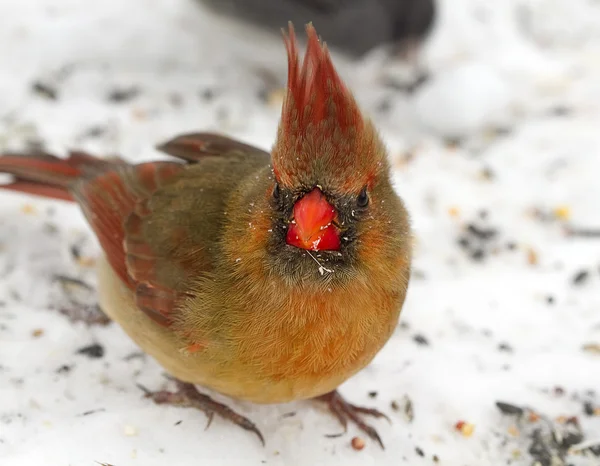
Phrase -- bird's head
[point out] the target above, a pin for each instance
(330, 189)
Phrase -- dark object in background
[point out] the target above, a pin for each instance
(354, 26)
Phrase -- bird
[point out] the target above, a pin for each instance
(354, 27)
(266, 277)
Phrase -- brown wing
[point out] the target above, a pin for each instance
(194, 146)
(116, 199)
(113, 203)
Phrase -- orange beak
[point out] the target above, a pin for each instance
(312, 227)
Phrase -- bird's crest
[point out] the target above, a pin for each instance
(321, 124)
(315, 92)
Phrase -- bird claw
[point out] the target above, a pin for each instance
(188, 396)
(210, 417)
(345, 412)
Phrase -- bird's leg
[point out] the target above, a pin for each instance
(187, 395)
(345, 412)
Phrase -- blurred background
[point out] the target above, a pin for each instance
(491, 113)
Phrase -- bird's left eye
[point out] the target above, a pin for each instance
(363, 198)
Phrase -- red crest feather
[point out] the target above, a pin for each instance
(321, 125)
(315, 91)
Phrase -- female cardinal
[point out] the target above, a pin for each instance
(268, 278)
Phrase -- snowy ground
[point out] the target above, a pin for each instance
(496, 155)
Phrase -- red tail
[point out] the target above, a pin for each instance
(45, 175)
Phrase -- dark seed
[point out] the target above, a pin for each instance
(384, 105)
(507, 408)
(372, 394)
(478, 254)
(571, 438)
(65, 280)
(560, 110)
(581, 277)
(95, 132)
(64, 369)
(503, 131)
(92, 411)
(588, 408)
(453, 142)
(481, 233)
(75, 251)
(207, 94)
(419, 452)
(123, 94)
(505, 347)
(421, 340)
(584, 233)
(44, 90)
(463, 242)
(175, 99)
(94, 351)
(488, 173)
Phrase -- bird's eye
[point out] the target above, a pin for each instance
(363, 198)
(276, 191)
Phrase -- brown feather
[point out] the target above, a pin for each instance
(323, 137)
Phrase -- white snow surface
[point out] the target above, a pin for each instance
(508, 124)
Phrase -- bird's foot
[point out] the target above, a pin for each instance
(188, 396)
(345, 412)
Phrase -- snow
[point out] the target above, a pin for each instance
(507, 124)
(474, 88)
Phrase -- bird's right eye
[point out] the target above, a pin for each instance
(363, 198)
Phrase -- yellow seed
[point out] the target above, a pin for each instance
(28, 209)
(358, 443)
(139, 114)
(592, 348)
(467, 429)
(86, 261)
(532, 257)
(562, 212)
(453, 211)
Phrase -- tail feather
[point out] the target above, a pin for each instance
(39, 189)
(45, 175)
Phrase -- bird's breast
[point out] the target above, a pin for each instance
(310, 343)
